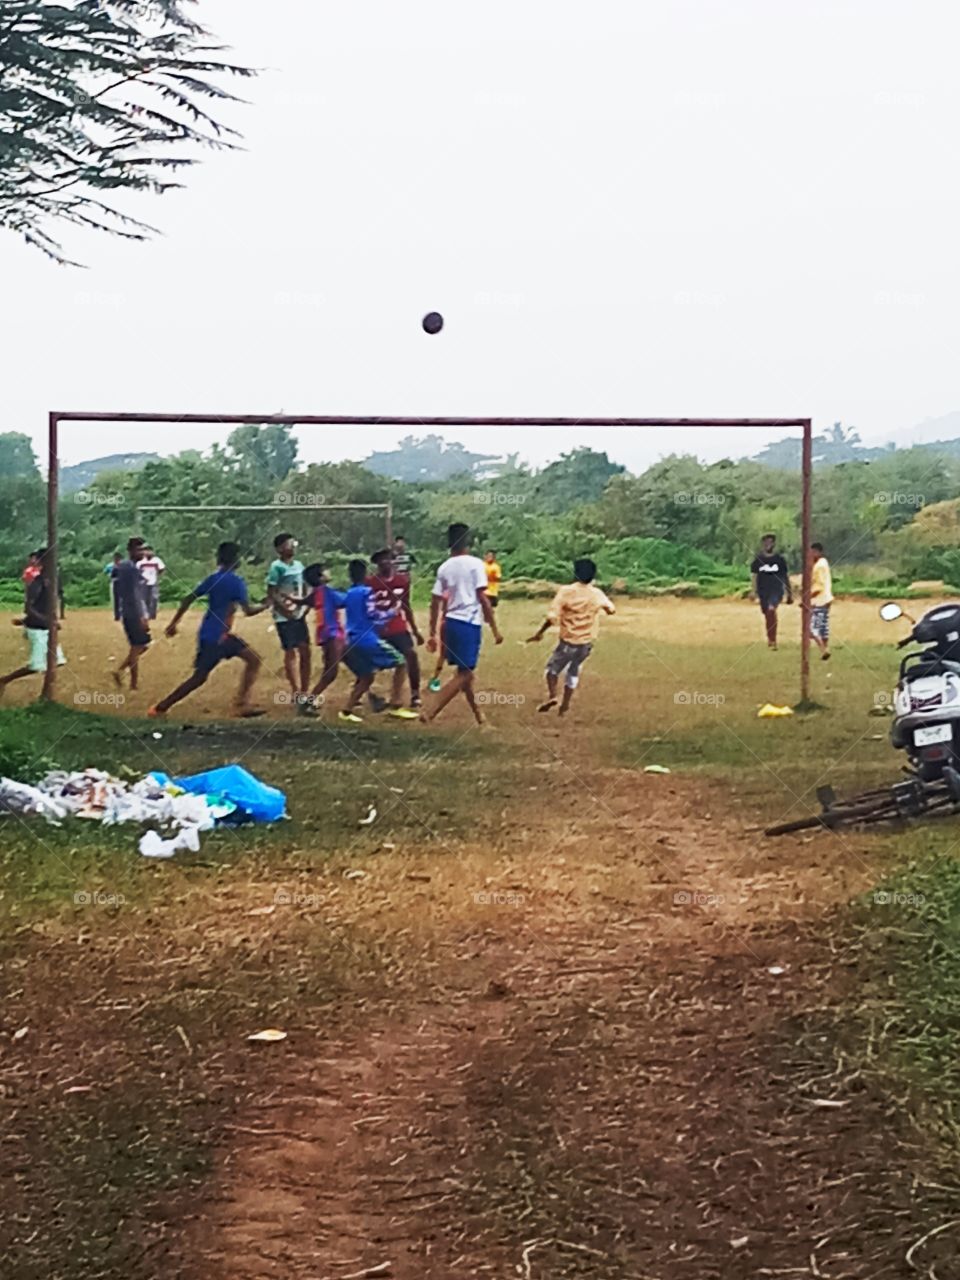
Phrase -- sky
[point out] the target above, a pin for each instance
(632, 207)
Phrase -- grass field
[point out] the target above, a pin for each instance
(548, 1015)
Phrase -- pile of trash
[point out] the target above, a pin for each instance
(184, 806)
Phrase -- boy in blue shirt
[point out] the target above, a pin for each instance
(226, 592)
(366, 653)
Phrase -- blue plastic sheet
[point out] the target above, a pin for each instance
(254, 800)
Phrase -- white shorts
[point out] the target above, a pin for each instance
(39, 642)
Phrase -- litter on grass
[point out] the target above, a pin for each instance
(183, 808)
(656, 768)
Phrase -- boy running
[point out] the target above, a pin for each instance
(327, 603)
(821, 598)
(391, 591)
(366, 653)
(435, 686)
(36, 624)
(285, 592)
(576, 609)
(771, 584)
(225, 591)
(131, 599)
(462, 582)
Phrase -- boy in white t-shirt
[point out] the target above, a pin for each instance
(462, 584)
(151, 570)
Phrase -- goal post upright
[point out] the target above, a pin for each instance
(353, 420)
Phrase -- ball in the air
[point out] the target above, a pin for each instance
(432, 322)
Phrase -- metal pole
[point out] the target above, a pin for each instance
(390, 525)
(52, 560)
(806, 468)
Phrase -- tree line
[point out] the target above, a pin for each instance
(885, 521)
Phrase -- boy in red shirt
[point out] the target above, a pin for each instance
(392, 591)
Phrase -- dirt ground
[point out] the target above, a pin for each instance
(578, 1026)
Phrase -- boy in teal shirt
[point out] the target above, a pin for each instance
(285, 591)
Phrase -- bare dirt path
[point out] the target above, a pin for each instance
(626, 1089)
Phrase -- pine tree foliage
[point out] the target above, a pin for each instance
(98, 98)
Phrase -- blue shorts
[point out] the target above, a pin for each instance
(211, 655)
(461, 643)
(367, 656)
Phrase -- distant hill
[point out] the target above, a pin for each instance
(82, 474)
(940, 433)
(841, 444)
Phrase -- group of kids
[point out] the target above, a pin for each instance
(370, 627)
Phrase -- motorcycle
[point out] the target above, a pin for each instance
(926, 701)
(926, 725)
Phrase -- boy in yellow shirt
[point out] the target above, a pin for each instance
(576, 610)
(494, 577)
(821, 598)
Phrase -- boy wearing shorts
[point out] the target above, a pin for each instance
(391, 590)
(327, 604)
(36, 625)
(226, 592)
(576, 610)
(285, 592)
(366, 653)
(821, 598)
(132, 602)
(462, 583)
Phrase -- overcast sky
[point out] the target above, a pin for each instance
(667, 207)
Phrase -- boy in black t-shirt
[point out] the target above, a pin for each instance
(771, 584)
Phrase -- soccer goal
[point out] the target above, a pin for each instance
(346, 421)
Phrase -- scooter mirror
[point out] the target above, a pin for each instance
(890, 611)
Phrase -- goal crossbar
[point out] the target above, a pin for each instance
(405, 420)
